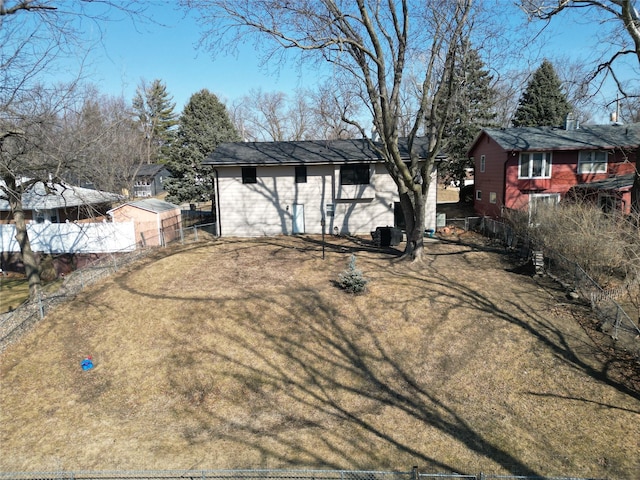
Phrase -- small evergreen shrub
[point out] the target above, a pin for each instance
(352, 279)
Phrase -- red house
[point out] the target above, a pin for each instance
(518, 168)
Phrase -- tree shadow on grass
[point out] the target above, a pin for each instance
(330, 375)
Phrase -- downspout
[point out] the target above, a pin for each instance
(504, 183)
(217, 197)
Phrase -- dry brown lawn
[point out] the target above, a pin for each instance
(244, 354)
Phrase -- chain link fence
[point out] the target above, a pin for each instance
(613, 318)
(498, 232)
(196, 233)
(263, 475)
(16, 322)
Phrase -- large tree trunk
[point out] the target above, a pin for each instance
(28, 257)
(414, 211)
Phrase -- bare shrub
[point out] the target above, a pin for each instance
(605, 245)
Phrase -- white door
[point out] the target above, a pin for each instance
(298, 218)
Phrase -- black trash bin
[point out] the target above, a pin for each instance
(387, 236)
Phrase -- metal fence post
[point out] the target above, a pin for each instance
(414, 473)
(40, 306)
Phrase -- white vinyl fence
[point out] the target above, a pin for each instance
(106, 237)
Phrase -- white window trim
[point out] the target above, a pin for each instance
(483, 161)
(479, 195)
(542, 195)
(547, 159)
(493, 197)
(591, 161)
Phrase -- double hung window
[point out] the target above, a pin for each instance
(592, 162)
(356, 174)
(301, 174)
(534, 165)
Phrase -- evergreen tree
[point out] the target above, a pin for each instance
(352, 280)
(473, 109)
(543, 103)
(153, 108)
(202, 126)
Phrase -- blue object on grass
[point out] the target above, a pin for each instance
(86, 364)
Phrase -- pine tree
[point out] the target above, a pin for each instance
(153, 108)
(543, 103)
(352, 280)
(473, 109)
(202, 126)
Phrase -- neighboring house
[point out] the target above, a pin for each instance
(149, 181)
(519, 168)
(60, 203)
(273, 188)
(156, 222)
(64, 219)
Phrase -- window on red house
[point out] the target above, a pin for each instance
(592, 162)
(534, 165)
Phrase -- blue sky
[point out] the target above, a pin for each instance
(131, 52)
(167, 51)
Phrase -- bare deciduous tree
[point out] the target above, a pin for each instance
(371, 43)
(331, 103)
(308, 114)
(34, 35)
(30, 152)
(108, 139)
(273, 116)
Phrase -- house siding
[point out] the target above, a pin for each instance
(267, 207)
(151, 228)
(492, 179)
(564, 176)
(501, 176)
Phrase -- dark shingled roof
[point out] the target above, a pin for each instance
(150, 169)
(620, 182)
(554, 138)
(303, 152)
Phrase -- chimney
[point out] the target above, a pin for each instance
(571, 123)
(374, 134)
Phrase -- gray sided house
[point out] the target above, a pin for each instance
(283, 188)
(149, 180)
